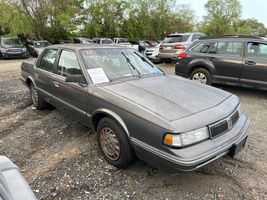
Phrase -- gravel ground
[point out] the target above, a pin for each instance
(60, 158)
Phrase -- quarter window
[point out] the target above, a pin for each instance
(48, 60)
(257, 50)
(226, 48)
(68, 64)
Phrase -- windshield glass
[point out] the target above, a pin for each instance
(176, 38)
(118, 63)
(123, 40)
(11, 41)
(41, 44)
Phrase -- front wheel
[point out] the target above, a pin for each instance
(37, 101)
(114, 143)
(201, 76)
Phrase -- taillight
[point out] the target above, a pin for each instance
(179, 46)
(161, 47)
(182, 55)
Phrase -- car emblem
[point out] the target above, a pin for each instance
(230, 123)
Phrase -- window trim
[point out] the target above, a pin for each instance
(246, 50)
(230, 55)
(57, 62)
(42, 56)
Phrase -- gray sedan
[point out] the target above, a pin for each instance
(137, 110)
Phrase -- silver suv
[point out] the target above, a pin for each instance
(174, 44)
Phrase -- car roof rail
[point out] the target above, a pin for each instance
(230, 36)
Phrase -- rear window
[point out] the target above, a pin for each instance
(176, 38)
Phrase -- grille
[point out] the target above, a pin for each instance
(224, 125)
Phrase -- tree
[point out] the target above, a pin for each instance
(251, 26)
(221, 17)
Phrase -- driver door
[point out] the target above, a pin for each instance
(70, 96)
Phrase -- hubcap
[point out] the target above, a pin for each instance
(200, 77)
(34, 95)
(110, 143)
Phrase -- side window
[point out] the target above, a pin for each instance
(196, 37)
(201, 47)
(68, 64)
(256, 50)
(48, 60)
(227, 48)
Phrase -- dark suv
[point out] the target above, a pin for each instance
(234, 60)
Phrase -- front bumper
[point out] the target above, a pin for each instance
(198, 155)
(15, 55)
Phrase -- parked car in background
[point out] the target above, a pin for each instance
(235, 60)
(125, 42)
(135, 109)
(176, 43)
(12, 47)
(152, 53)
(142, 45)
(37, 47)
(82, 40)
(12, 184)
(103, 41)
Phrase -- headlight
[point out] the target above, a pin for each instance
(3, 50)
(24, 49)
(187, 138)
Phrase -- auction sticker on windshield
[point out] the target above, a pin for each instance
(98, 75)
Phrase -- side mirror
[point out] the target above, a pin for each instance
(76, 78)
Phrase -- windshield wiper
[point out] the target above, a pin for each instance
(130, 63)
(145, 60)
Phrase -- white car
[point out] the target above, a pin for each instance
(152, 53)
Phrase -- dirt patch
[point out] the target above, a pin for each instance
(60, 158)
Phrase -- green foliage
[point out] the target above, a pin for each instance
(13, 20)
(221, 17)
(57, 20)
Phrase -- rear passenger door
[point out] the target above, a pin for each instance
(227, 58)
(44, 71)
(70, 96)
(255, 65)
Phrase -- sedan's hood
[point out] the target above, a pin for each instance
(17, 46)
(169, 97)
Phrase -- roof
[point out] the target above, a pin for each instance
(231, 37)
(80, 46)
(187, 33)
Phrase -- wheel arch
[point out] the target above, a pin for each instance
(29, 80)
(197, 64)
(103, 112)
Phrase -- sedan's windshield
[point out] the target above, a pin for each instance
(11, 41)
(118, 63)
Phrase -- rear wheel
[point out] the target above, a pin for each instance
(201, 76)
(37, 101)
(114, 143)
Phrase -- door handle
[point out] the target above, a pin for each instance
(56, 84)
(250, 63)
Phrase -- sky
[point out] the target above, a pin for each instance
(250, 8)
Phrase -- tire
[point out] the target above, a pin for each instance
(37, 101)
(114, 143)
(201, 75)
